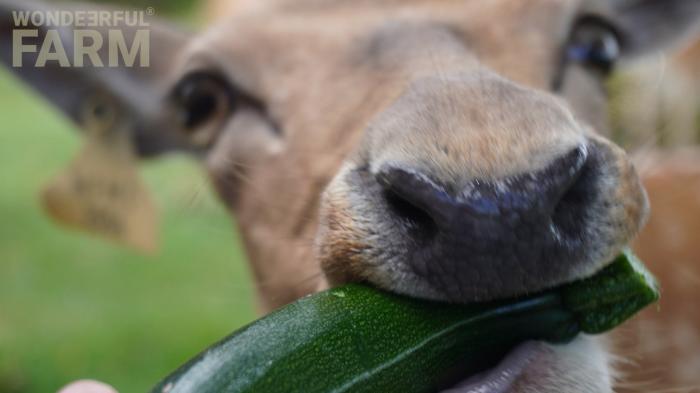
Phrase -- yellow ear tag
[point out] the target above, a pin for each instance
(100, 191)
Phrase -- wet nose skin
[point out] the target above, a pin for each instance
(488, 232)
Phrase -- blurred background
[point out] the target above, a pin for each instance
(74, 306)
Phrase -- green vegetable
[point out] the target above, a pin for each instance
(359, 339)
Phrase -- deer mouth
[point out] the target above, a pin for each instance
(364, 236)
(502, 377)
(580, 366)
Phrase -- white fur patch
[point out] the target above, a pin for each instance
(582, 366)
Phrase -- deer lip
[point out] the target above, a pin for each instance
(502, 377)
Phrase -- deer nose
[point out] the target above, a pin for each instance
(503, 222)
(519, 200)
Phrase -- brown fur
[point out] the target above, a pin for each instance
(339, 66)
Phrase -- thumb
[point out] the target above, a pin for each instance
(87, 386)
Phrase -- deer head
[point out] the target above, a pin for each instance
(450, 150)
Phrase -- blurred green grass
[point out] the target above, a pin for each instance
(73, 306)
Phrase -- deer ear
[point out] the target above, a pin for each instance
(649, 25)
(135, 91)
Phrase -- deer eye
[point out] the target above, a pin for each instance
(594, 44)
(204, 102)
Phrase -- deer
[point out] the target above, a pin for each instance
(453, 150)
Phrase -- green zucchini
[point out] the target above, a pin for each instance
(359, 339)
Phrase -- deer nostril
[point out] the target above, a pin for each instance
(553, 187)
(408, 197)
(413, 217)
